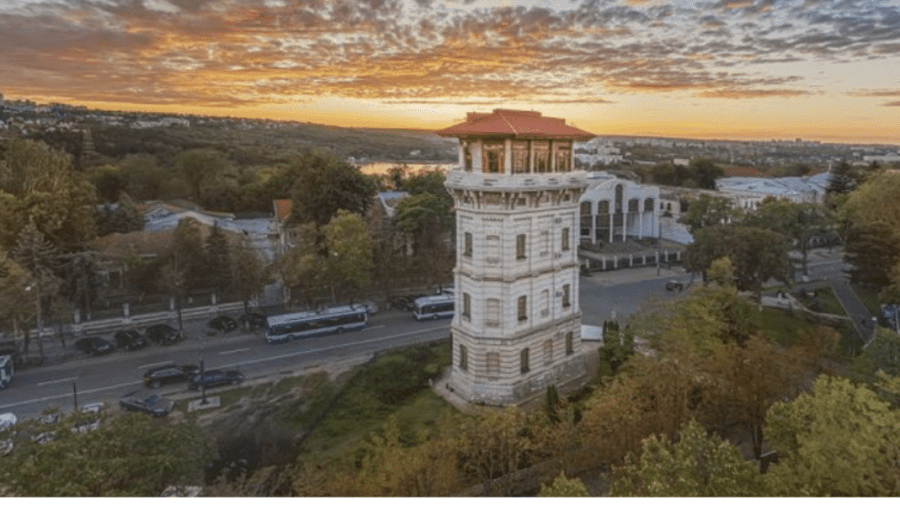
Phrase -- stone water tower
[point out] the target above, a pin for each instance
(517, 326)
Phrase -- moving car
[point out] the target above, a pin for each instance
(130, 339)
(168, 374)
(223, 324)
(94, 346)
(163, 334)
(212, 378)
(155, 405)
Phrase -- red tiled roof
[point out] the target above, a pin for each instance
(743, 172)
(282, 209)
(515, 124)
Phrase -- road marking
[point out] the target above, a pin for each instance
(234, 351)
(67, 379)
(373, 327)
(68, 395)
(310, 351)
(151, 365)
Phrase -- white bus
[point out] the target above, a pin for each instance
(6, 370)
(433, 307)
(307, 324)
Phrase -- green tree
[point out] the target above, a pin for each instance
(706, 211)
(303, 266)
(109, 182)
(145, 179)
(563, 486)
(426, 220)
(873, 243)
(349, 256)
(204, 169)
(248, 272)
(41, 259)
(83, 281)
(705, 172)
(696, 465)
(17, 302)
(324, 184)
(127, 456)
(796, 221)
(757, 254)
(495, 446)
(39, 186)
(217, 252)
(838, 440)
(882, 354)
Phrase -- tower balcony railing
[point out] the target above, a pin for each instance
(457, 178)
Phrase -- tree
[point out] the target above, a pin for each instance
(563, 486)
(838, 440)
(696, 465)
(41, 259)
(705, 211)
(495, 447)
(843, 179)
(757, 254)
(324, 184)
(39, 186)
(127, 456)
(427, 221)
(17, 302)
(303, 266)
(705, 172)
(82, 280)
(881, 355)
(349, 256)
(217, 252)
(146, 180)
(202, 168)
(796, 221)
(248, 272)
(873, 243)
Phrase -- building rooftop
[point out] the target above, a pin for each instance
(508, 123)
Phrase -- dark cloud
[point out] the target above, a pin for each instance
(895, 103)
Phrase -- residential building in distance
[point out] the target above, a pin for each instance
(517, 326)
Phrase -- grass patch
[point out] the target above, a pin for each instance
(393, 384)
(780, 326)
(822, 300)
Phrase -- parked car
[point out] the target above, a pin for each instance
(212, 378)
(253, 320)
(223, 324)
(94, 346)
(674, 285)
(155, 405)
(130, 339)
(168, 374)
(163, 334)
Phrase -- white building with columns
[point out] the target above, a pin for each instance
(517, 327)
(615, 210)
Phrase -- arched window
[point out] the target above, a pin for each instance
(648, 205)
(620, 192)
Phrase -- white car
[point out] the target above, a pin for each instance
(7, 420)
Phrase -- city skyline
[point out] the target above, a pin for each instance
(729, 69)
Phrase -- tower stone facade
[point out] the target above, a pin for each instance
(517, 327)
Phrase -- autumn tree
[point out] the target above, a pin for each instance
(495, 447)
(872, 212)
(131, 455)
(563, 486)
(217, 253)
(695, 465)
(705, 211)
(82, 280)
(210, 176)
(349, 255)
(34, 253)
(426, 220)
(39, 186)
(303, 266)
(796, 221)
(838, 440)
(248, 272)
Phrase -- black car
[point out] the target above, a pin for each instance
(156, 377)
(253, 320)
(94, 346)
(163, 334)
(674, 286)
(223, 324)
(155, 405)
(212, 378)
(130, 339)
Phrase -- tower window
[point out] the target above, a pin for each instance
(520, 157)
(548, 352)
(523, 308)
(467, 154)
(541, 156)
(545, 303)
(523, 357)
(570, 348)
(565, 239)
(467, 245)
(493, 249)
(520, 246)
(467, 307)
(566, 300)
(493, 158)
(463, 358)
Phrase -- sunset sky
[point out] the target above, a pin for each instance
(737, 69)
